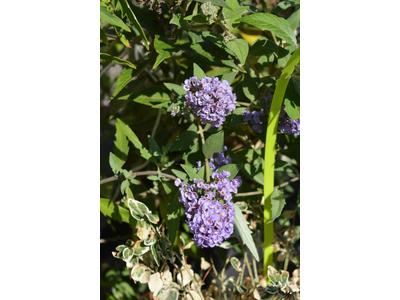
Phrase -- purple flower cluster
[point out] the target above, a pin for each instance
(254, 118)
(286, 125)
(217, 161)
(210, 99)
(208, 208)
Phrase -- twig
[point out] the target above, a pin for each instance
(260, 192)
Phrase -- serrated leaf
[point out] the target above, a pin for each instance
(110, 17)
(278, 203)
(110, 58)
(232, 168)
(278, 26)
(243, 231)
(240, 48)
(197, 71)
(126, 10)
(213, 144)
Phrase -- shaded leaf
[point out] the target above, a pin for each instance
(213, 144)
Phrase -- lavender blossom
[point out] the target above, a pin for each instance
(217, 161)
(209, 99)
(286, 125)
(208, 208)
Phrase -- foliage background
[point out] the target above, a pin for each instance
(137, 87)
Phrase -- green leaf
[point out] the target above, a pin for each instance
(263, 46)
(213, 144)
(278, 203)
(184, 141)
(221, 3)
(231, 168)
(230, 77)
(243, 231)
(126, 10)
(113, 163)
(191, 172)
(180, 174)
(126, 76)
(177, 89)
(162, 48)
(197, 71)
(240, 48)
(110, 17)
(294, 19)
(154, 96)
(278, 26)
(110, 58)
(134, 139)
(250, 88)
(291, 109)
(121, 144)
(173, 218)
(237, 116)
(114, 211)
(179, 21)
(231, 15)
(103, 37)
(124, 185)
(154, 148)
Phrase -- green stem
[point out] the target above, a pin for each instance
(203, 141)
(269, 159)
